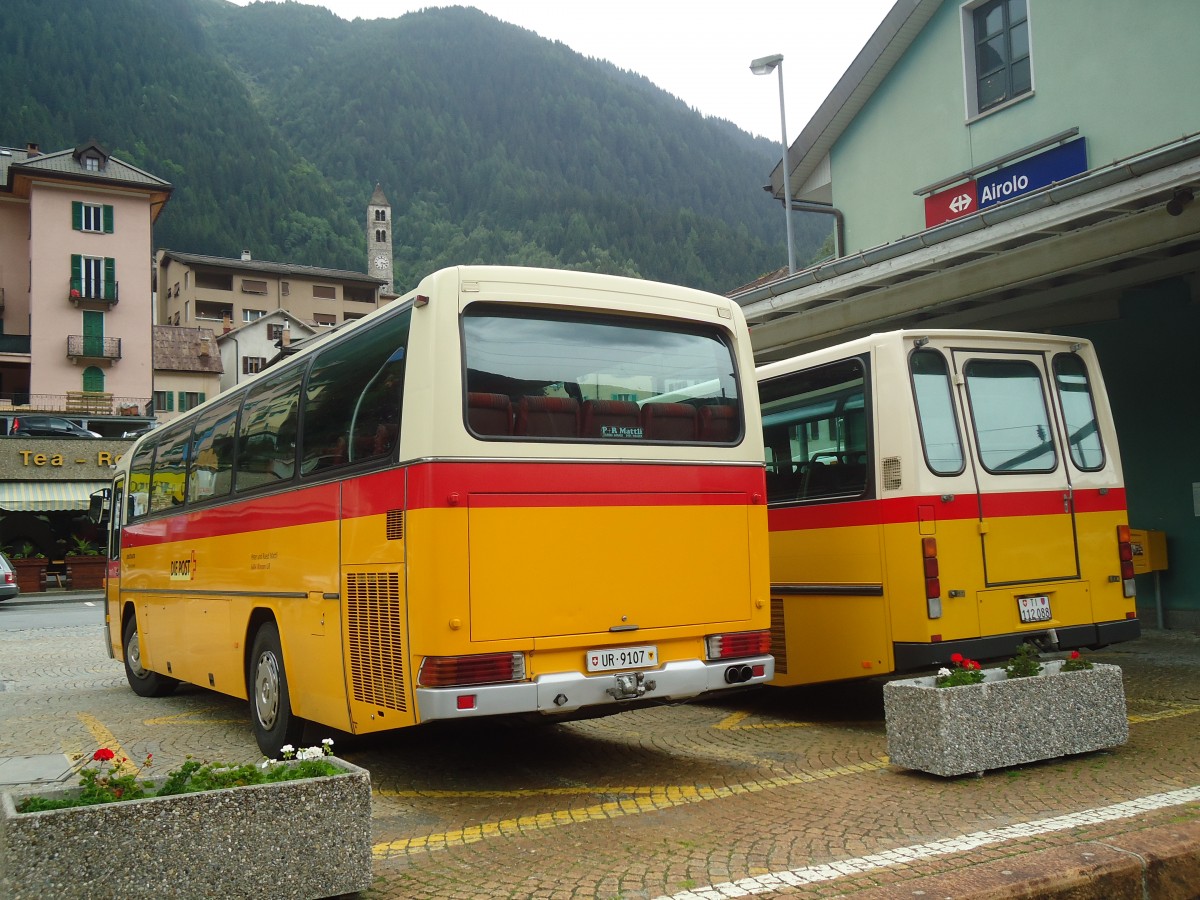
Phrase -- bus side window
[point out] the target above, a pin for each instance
(265, 452)
(353, 398)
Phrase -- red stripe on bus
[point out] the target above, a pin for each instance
(305, 506)
(445, 485)
(503, 484)
(962, 506)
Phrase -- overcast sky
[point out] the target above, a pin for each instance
(698, 51)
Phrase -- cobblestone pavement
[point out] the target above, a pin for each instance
(770, 793)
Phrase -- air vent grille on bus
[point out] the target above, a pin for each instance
(375, 628)
(778, 644)
(395, 524)
(891, 473)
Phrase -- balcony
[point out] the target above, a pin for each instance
(88, 346)
(76, 404)
(89, 291)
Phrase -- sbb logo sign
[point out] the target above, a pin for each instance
(960, 200)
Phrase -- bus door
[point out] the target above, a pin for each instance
(1026, 510)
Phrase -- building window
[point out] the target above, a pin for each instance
(249, 315)
(998, 59)
(214, 281)
(274, 332)
(93, 277)
(324, 292)
(252, 364)
(380, 235)
(189, 400)
(381, 215)
(164, 401)
(285, 288)
(91, 164)
(93, 217)
(250, 286)
(324, 320)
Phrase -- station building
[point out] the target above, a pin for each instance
(1026, 165)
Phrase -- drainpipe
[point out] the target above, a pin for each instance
(839, 222)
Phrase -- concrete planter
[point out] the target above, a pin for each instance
(305, 838)
(1004, 722)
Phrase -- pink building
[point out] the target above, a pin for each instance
(75, 284)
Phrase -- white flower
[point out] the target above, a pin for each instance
(328, 742)
(310, 753)
(943, 672)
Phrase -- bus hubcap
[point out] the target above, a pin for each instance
(266, 693)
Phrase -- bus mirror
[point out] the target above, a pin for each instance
(98, 507)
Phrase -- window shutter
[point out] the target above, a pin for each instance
(77, 215)
(182, 401)
(201, 400)
(77, 272)
(108, 219)
(110, 278)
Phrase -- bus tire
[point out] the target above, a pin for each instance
(271, 713)
(144, 682)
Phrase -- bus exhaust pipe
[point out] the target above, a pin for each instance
(738, 674)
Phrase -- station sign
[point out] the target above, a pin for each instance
(1056, 164)
(1027, 175)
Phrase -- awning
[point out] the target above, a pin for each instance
(47, 496)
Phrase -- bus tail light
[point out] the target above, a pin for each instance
(1125, 553)
(486, 668)
(738, 644)
(933, 580)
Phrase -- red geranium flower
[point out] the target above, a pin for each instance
(1074, 654)
(103, 755)
(956, 658)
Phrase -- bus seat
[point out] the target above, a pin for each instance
(548, 417)
(819, 480)
(489, 413)
(719, 423)
(669, 422)
(611, 418)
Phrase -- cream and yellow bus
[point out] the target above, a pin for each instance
(512, 491)
(940, 492)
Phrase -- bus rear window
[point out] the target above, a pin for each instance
(1079, 412)
(537, 375)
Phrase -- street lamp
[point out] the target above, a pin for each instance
(764, 66)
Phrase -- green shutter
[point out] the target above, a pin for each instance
(201, 400)
(170, 401)
(77, 215)
(110, 278)
(77, 273)
(108, 219)
(183, 401)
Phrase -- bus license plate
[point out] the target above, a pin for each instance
(614, 658)
(1034, 609)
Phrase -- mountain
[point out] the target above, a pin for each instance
(274, 122)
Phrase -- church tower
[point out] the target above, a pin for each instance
(379, 238)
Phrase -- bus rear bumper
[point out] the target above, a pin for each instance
(914, 657)
(568, 691)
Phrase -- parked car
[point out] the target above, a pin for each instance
(8, 579)
(48, 426)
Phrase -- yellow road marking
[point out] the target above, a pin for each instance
(733, 722)
(1173, 710)
(103, 737)
(189, 718)
(639, 800)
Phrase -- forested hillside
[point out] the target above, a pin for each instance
(275, 121)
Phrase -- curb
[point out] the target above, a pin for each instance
(1162, 862)
(51, 599)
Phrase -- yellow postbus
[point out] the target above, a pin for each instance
(934, 492)
(511, 491)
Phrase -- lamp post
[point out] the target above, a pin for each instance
(764, 66)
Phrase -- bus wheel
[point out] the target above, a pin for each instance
(270, 703)
(144, 682)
